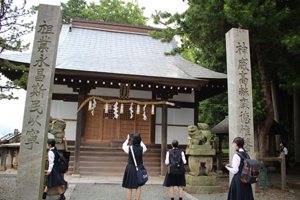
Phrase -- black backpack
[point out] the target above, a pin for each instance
(176, 163)
(250, 170)
(62, 163)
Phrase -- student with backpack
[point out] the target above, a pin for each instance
(54, 178)
(238, 190)
(175, 159)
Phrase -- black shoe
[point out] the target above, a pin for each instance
(44, 195)
(61, 198)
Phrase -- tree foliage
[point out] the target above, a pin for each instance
(107, 10)
(12, 28)
(274, 43)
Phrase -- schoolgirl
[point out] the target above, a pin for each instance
(238, 190)
(175, 180)
(130, 175)
(54, 178)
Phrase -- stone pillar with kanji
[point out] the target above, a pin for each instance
(31, 165)
(240, 106)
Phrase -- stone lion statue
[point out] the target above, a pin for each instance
(198, 133)
(57, 128)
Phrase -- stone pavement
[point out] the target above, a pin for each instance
(110, 187)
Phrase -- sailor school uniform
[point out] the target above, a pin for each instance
(238, 190)
(174, 180)
(130, 175)
(54, 179)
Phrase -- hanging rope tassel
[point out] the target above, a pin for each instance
(122, 101)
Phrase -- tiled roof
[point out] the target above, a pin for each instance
(88, 49)
(221, 127)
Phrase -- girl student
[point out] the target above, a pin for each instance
(130, 175)
(172, 180)
(238, 190)
(54, 178)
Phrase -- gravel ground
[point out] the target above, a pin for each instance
(153, 192)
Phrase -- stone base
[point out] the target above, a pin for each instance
(2, 168)
(200, 150)
(201, 180)
(60, 147)
(202, 189)
(201, 184)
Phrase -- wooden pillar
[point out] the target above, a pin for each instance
(153, 121)
(196, 107)
(219, 160)
(78, 134)
(83, 121)
(283, 171)
(164, 139)
(220, 142)
(10, 158)
(3, 159)
(16, 159)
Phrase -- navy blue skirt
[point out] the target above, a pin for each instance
(174, 180)
(239, 190)
(55, 179)
(130, 177)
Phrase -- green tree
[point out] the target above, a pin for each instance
(108, 11)
(12, 28)
(204, 24)
(73, 9)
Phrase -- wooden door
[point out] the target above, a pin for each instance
(93, 124)
(102, 127)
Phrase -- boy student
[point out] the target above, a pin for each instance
(54, 179)
(175, 179)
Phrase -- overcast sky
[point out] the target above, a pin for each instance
(11, 111)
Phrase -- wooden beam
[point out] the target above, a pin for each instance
(164, 133)
(78, 134)
(158, 80)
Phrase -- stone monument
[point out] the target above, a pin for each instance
(240, 106)
(199, 179)
(30, 178)
(57, 128)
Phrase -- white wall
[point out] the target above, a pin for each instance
(183, 116)
(63, 89)
(184, 97)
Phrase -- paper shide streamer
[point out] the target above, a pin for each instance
(116, 110)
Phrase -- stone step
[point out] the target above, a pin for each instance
(112, 153)
(110, 164)
(114, 159)
(120, 168)
(102, 149)
(110, 173)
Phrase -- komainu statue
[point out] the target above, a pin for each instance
(199, 133)
(57, 128)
